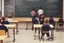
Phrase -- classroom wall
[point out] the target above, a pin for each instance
(3, 8)
(0, 7)
(63, 9)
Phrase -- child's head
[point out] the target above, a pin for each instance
(33, 9)
(9, 16)
(46, 21)
(3, 18)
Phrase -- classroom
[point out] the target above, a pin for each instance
(31, 21)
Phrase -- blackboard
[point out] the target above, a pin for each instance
(9, 7)
(50, 7)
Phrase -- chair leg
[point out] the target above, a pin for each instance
(42, 38)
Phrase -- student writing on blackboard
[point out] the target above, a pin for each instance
(33, 12)
(40, 12)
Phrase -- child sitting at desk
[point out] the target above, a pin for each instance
(60, 21)
(45, 29)
(2, 27)
(51, 21)
(34, 21)
(4, 21)
(9, 17)
(42, 19)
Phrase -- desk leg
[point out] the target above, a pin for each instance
(13, 34)
(39, 33)
(34, 33)
(52, 34)
(26, 25)
(8, 33)
(57, 27)
(17, 28)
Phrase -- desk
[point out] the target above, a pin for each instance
(11, 26)
(39, 26)
(16, 22)
(2, 38)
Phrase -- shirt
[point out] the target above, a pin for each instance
(51, 21)
(60, 21)
(45, 27)
(41, 21)
(5, 22)
(34, 21)
(2, 27)
(40, 11)
(33, 13)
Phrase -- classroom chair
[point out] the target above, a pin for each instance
(2, 33)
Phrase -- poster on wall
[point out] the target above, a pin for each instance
(0, 8)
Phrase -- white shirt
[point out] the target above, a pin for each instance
(40, 11)
(9, 19)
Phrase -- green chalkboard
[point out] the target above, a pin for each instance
(50, 7)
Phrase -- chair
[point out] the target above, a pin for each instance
(2, 33)
(45, 30)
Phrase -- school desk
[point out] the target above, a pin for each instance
(2, 38)
(12, 26)
(16, 22)
(39, 26)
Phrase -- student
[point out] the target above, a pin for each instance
(2, 27)
(33, 12)
(9, 17)
(45, 29)
(40, 12)
(60, 21)
(34, 21)
(51, 21)
(4, 21)
(42, 19)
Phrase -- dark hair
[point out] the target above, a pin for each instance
(0, 20)
(3, 18)
(33, 9)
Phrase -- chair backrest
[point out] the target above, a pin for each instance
(2, 33)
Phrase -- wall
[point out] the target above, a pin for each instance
(0, 7)
(63, 8)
